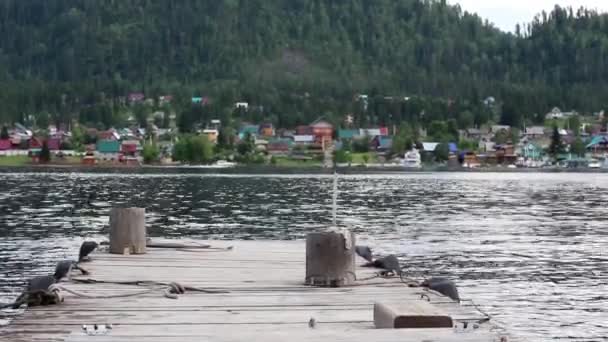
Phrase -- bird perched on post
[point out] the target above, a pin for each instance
(86, 248)
(37, 287)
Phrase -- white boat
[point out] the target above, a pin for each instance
(412, 159)
(220, 164)
(594, 164)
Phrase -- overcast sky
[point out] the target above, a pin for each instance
(506, 13)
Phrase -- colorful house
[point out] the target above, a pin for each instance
(303, 130)
(211, 134)
(54, 144)
(279, 146)
(322, 131)
(303, 139)
(129, 147)
(348, 134)
(35, 143)
(535, 132)
(532, 151)
(470, 160)
(598, 144)
(505, 154)
(267, 130)
(108, 147)
(110, 134)
(89, 159)
(252, 130)
(5, 144)
(373, 132)
(453, 148)
(382, 144)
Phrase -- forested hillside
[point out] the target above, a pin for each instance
(295, 59)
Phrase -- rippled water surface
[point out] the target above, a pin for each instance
(531, 249)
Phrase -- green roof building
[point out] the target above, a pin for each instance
(108, 146)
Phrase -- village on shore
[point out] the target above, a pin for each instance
(566, 140)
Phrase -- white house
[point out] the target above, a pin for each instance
(303, 139)
(429, 146)
(535, 131)
(498, 128)
(489, 101)
(242, 105)
(557, 113)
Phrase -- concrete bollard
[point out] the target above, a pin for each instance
(128, 231)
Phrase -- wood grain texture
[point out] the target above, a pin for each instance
(266, 301)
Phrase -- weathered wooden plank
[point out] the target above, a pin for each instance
(288, 332)
(266, 301)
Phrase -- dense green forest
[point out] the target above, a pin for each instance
(295, 60)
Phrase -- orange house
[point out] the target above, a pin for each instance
(267, 130)
(322, 131)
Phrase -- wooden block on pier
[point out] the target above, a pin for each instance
(128, 231)
(419, 314)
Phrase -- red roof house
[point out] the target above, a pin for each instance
(303, 130)
(322, 130)
(54, 144)
(109, 135)
(35, 143)
(129, 147)
(5, 144)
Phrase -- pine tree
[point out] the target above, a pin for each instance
(45, 153)
(4, 133)
(556, 146)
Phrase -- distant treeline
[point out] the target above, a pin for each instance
(296, 60)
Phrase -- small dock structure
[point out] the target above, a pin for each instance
(253, 291)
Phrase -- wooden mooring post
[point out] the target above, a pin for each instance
(128, 231)
(330, 258)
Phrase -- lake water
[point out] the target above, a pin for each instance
(530, 249)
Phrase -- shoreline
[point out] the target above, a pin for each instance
(268, 169)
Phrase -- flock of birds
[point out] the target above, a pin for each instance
(37, 289)
(391, 264)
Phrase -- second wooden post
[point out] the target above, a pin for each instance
(128, 231)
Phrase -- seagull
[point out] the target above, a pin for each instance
(42, 283)
(389, 263)
(444, 286)
(365, 252)
(86, 248)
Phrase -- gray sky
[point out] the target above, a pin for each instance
(506, 13)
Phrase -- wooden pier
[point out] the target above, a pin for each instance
(263, 299)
